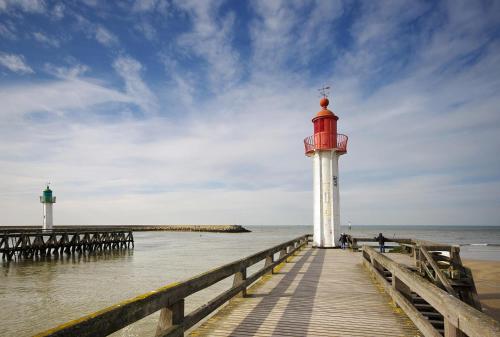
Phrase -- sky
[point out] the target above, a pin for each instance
(194, 112)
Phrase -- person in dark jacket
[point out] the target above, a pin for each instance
(381, 242)
(343, 240)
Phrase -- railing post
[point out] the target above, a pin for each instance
(354, 245)
(269, 261)
(282, 253)
(416, 256)
(169, 317)
(451, 331)
(398, 285)
(239, 278)
(377, 266)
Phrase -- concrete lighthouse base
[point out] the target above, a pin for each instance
(326, 199)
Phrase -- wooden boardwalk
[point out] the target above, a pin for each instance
(320, 293)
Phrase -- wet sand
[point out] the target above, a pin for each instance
(487, 278)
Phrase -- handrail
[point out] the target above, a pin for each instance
(309, 144)
(353, 241)
(342, 142)
(342, 139)
(170, 298)
(458, 315)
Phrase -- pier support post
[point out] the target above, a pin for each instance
(169, 317)
(451, 331)
(239, 278)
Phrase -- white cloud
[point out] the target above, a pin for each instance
(96, 31)
(58, 11)
(105, 37)
(291, 30)
(55, 97)
(146, 29)
(15, 63)
(8, 31)
(210, 39)
(30, 6)
(130, 70)
(74, 71)
(91, 3)
(41, 37)
(149, 5)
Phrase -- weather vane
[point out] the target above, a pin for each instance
(324, 91)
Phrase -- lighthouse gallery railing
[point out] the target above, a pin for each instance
(341, 143)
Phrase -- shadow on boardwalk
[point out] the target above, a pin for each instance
(297, 289)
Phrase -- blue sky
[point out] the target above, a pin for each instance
(155, 111)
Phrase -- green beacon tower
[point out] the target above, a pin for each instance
(47, 199)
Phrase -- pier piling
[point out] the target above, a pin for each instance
(28, 244)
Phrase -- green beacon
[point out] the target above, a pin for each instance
(47, 199)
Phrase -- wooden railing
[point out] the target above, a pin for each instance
(170, 298)
(353, 242)
(459, 317)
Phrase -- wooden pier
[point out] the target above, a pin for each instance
(322, 292)
(303, 291)
(30, 243)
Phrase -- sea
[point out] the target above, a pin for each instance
(38, 295)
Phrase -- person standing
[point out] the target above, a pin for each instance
(381, 242)
(343, 240)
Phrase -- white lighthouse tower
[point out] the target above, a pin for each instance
(47, 200)
(325, 147)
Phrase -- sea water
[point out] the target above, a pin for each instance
(37, 295)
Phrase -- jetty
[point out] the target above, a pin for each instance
(143, 228)
(29, 243)
(190, 228)
(299, 290)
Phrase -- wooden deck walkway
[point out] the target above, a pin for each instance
(320, 293)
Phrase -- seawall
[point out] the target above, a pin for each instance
(191, 228)
(142, 228)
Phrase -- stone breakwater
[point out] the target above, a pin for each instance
(190, 228)
(137, 228)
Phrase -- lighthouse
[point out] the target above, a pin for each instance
(47, 199)
(325, 147)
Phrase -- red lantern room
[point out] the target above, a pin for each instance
(325, 127)
(325, 132)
